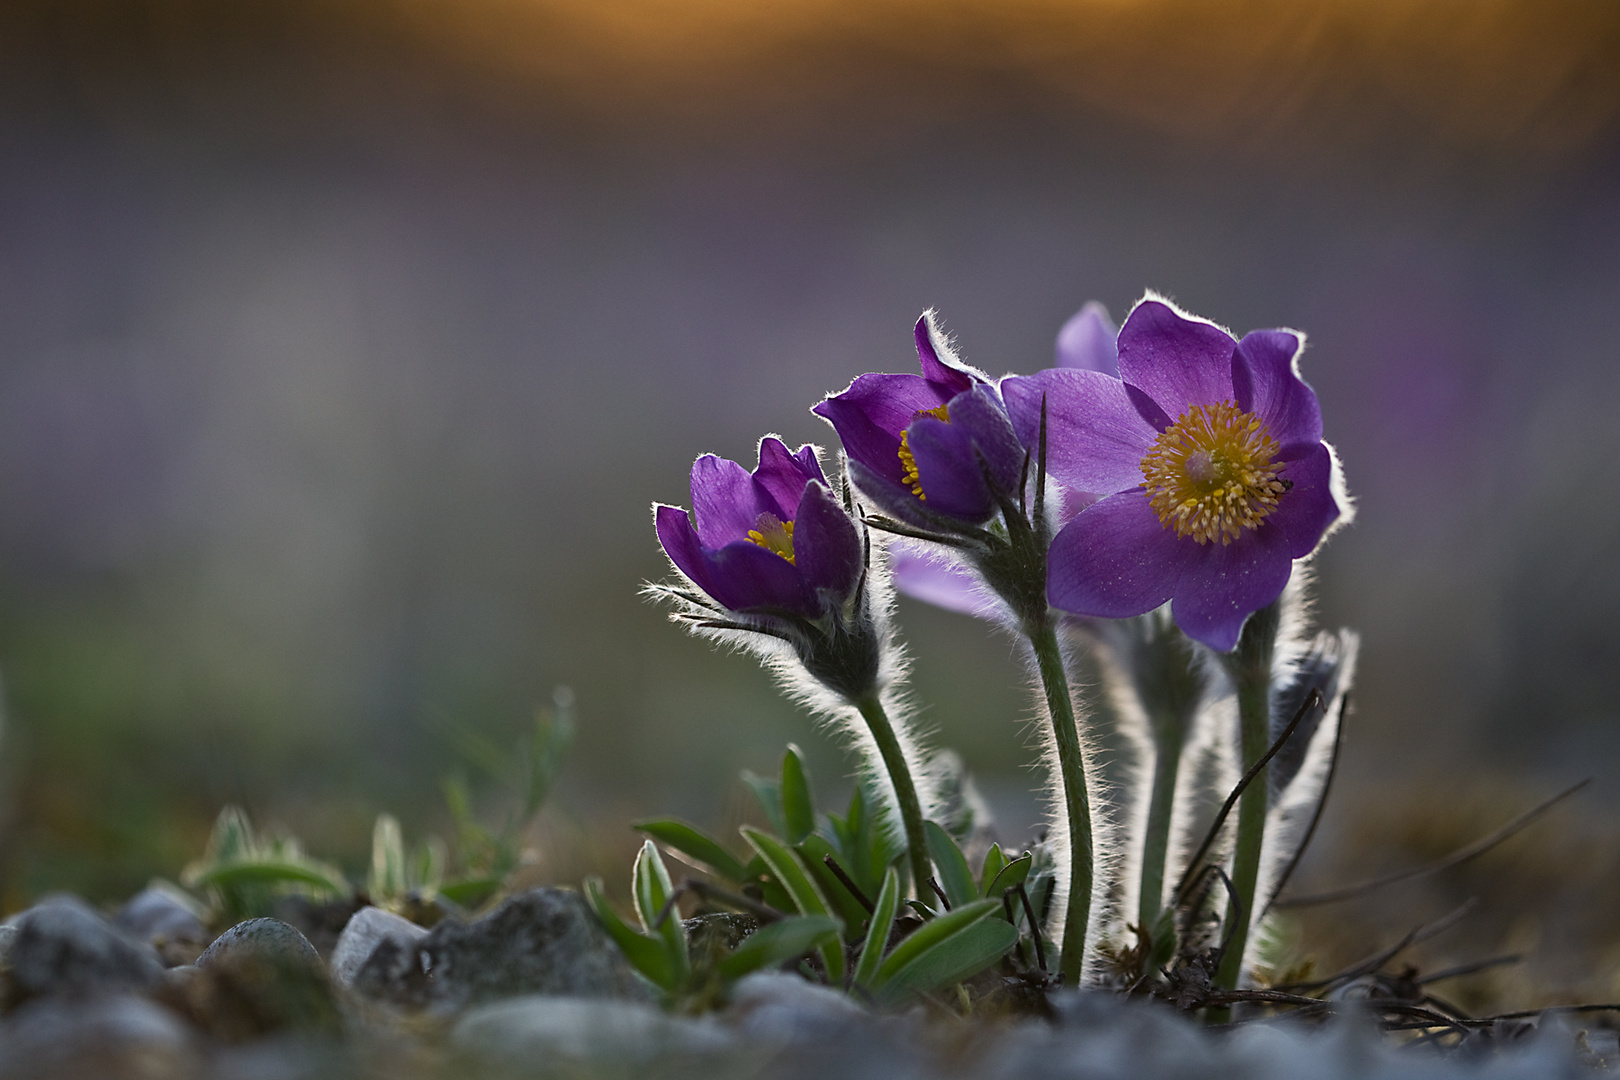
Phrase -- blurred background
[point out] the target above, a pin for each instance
(345, 344)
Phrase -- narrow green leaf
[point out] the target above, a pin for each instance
(963, 954)
(806, 897)
(798, 800)
(994, 860)
(1009, 877)
(778, 943)
(951, 866)
(387, 879)
(769, 794)
(931, 934)
(882, 925)
(266, 872)
(645, 954)
(469, 892)
(813, 853)
(690, 841)
(652, 889)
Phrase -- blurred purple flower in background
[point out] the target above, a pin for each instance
(772, 541)
(1212, 451)
(931, 448)
(1089, 341)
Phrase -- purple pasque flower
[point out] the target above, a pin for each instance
(774, 541)
(1211, 452)
(934, 450)
(1089, 340)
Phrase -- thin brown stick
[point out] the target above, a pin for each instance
(1384, 956)
(1312, 700)
(1456, 858)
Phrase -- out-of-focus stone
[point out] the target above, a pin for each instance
(63, 946)
(108, 1038)
(259, 976)
(577, 1031)
(544, 941)
(320, 921)
(168, 921)
(370, 927)
(775, 1007)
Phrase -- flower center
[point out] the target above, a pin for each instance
(774, 535)
(908, 463)
(1211, 474)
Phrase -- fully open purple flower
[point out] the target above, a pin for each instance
(774, 541)
(1211, 452)
(928, 448)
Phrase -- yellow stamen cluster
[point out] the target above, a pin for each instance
(908, 463)
(1211, 474)
(774, 535)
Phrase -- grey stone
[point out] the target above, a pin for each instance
(259, 976)
(168, 921)
(63, 946)
(368, 928)
(776, 1007)
(8, 939)
(544, 941)
(110, 1038)
(564, 1030)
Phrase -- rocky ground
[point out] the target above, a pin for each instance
(533, 989)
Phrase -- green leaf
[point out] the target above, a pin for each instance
(964, 953)
(994, 860)
(266, 872)
(813, 854)
(469, 892)
(1009, 877)
(387, 880)
(769, 794)
(647, 955)
(778, 943)
(798, 800)
(882, 925)
(652, 888)
(954, 876)
(699, 845)
(932, 933)
(806, 897)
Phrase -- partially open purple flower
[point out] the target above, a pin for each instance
(774, 541)
(1211, 451)
(928, 448)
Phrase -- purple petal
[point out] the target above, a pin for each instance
(724, 502)
(1095, 437)
(681, 544)
(948, 470)
(1175, 360)
(1115, 559)
(1089, 341)
(981, 414)
(1266, 382)
(782, 476)
(826, 546)
(891, 497)
(872, 413)
(1306, 511)
(1226, 583)
(939, 364)
(927, 574)
(747, 577)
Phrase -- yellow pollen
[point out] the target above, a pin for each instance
(908, 464)
(1211, 473)
(774, 535)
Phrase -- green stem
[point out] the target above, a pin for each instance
(905, 791)
(1072, 775)
(1156, 833)
(1250, 667)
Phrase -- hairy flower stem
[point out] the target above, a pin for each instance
(1250, 667)
(1072, 775)
(905, 790)
(1156, 834)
